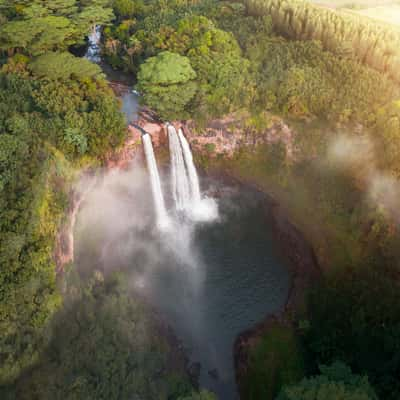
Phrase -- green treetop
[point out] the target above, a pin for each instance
(37, 27)
(63, 66)
(335, 382)
(167, 83)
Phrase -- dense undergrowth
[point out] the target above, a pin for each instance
(335, 86)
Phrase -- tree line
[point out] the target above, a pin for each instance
(372, 43)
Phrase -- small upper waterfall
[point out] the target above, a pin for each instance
(161, 212)
(191, 169)
(93, 51)
(179, 177)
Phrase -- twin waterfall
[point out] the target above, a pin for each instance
(184, 181)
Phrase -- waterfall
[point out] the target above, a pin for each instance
(93, 51)
(191, 169)
(179, 177)
(185, 181)
(161, 212)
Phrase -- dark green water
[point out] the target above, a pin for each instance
(210, 282)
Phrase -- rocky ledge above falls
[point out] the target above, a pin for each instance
(223, 136)
(228, 135)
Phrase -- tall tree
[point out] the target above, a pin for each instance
(167, 83)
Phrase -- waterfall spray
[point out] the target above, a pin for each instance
(161, 212)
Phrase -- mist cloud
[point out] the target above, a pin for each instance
(117, 230)
(358, 154)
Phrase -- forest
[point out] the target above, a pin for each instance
(333, 77)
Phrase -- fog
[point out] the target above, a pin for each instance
(358, 155)
(116, 223)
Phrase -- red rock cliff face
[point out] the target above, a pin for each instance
(226, 136)
(223, 136)
(147, 121)
(64, 248)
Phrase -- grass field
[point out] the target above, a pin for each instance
(382, 10)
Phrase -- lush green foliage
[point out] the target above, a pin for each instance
(180, 28)
(335, 382)
(167, 83)
(47, 126)
(36, 27)
(42, 125)
(105, 345)
(300, 79)
(275, 361)
(355, 317)
(203, 395)
(372, 43)
(63, 66)
(125, 8)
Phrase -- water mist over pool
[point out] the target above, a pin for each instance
(208, 281)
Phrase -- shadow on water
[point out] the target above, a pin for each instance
(209, 281)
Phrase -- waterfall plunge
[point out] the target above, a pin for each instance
(185, 181)
(161, 212)
(191, 169)
(179, 177)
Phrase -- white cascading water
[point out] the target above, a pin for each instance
(161, 212)
(93, 51)
(191, 169)
(179, 177)
(185, 181)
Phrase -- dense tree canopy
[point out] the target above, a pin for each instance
(105, 345)
(345, 34)
(36, 27)
(214, 54)
(63, 66)
(335, 382)
(167, 83)
(349, 323)
(42, 125)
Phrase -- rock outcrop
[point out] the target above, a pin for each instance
(64, 248)
(221, 137)
(226, 136)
